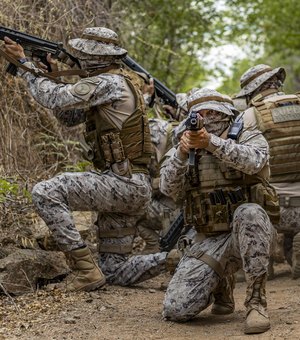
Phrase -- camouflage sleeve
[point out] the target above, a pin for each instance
(249, 155)
(172, 175)
(70, 117)
(147, 99)
(86, 92)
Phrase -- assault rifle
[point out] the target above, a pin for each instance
(194, 122)
(169, 240)
(37, 49)
(165, 94)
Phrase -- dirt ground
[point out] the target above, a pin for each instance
(135, 313)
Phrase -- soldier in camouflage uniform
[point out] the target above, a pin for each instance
(227, 197)
(277, 115)
(162, 210)
(109, 101)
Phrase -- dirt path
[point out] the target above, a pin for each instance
(135, 313)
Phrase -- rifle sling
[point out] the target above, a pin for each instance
(54, 76)
(209, 260)
(28, 69)
(84, 73)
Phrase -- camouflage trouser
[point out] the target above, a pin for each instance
(107, 193)
(248, 246)
(289, 225)
(289, 220)
(126, 270)
(159, 214)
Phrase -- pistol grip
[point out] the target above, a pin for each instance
(192, 157)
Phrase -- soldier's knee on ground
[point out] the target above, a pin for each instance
(175, 310)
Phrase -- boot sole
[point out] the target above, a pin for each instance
(92, 286)
(256, 329)
(220, 311)
(295, 263)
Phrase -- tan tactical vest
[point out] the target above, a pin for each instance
(123, 151)
(216, 190)
(278, 117)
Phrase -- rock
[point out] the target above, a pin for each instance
(23, 270)
(70, 321)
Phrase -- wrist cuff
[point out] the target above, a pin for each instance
(22, 60)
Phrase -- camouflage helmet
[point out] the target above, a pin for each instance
(181, 99)
(207, 99)
(97, 42)
(253, 78)
(230, 104)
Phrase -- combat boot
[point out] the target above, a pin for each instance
(257, 320)
(173, 258)
(86, 275)
(296, 257)
(151, 239)
(223, 295)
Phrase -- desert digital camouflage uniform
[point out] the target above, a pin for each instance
(162, 209)
(118, 143)
(278, 116)
(244, 241)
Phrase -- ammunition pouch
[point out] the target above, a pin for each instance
(213, 212)
(287, 202)
(195, 209)
(265, 195)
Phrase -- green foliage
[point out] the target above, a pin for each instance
(12, 190)
(165, 37)
(271, 26)
(231, 85)
(7, 188)
(79, 166)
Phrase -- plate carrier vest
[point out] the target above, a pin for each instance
(123, 151)
(278, 117)
(215, 190)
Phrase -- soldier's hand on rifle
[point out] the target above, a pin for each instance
(149, 88)
(170, 111)
(13, 49)
(51, 61)
(148, 91)
(194, 140)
